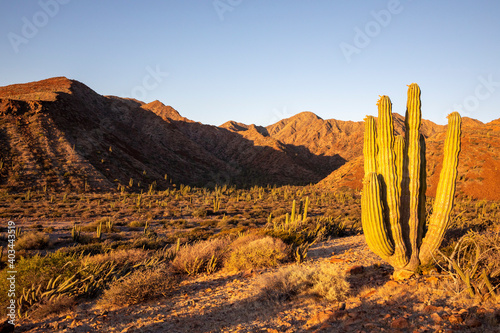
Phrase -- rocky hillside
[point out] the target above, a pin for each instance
(479, 161)
(59, 134)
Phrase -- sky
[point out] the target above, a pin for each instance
(259, 61)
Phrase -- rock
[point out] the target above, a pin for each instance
(402, 274)
(400, 323)
(437, 318)
(473, 322)
(356, 269)
(334, 260)
(319, 318)
(455, 319)
(391, 283)
(431, 309)
(5, 327)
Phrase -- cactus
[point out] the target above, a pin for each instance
(393, 200)
(99, 230)
(75, 233)
(306, 207)
(109, 224)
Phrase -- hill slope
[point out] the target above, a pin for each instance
(479, 161)
(60, 134)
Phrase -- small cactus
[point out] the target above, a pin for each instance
(99, 231)
(75, 233)
(393, 200)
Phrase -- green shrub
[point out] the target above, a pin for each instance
(39, 270)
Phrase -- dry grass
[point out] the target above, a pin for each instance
(56, 306)
(201, 256)
(120, 257)
(33, 240)
(249, 253)
(140, 286)
(474, 265)
(325, 281)
(329, 282)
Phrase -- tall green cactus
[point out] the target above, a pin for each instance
(393, 200)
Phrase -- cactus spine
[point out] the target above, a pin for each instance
(393, 201)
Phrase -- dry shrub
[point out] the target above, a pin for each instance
(120, 257)
(474, 265)
(142, 285)
(33, 240)
(248, 253)
(326, 281)
(201, 256)
(284, 284)
(55, 306)
(137, 224)
(244, 239)
(329, 282)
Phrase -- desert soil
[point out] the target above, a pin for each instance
(225, 302)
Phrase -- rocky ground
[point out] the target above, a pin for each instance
(225, 302)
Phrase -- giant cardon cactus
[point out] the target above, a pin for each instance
(393, 200)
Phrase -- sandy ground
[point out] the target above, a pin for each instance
(224, 302)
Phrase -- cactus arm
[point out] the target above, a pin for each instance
(390, 187)
(370, 146)
(445, 192)
(413, 120)
(399, 150)
(423, 188)
(372, 219)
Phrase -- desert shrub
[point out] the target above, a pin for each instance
(33, 240)
(140, 286)
(136, 224)
(201, 256)
(48, 230)
(284, 284)
(84, 249)
(257, 253)
(199, 212)
(38, 269)
(193, 235)
(310, 230)
(474, 266)
(329, 282)
(120, 257)
(55, 306)
(209, 223)
(325, 281)
(149, 241)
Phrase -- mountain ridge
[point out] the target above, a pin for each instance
(60, 134)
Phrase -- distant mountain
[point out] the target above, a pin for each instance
(479, 161)
(61, 135)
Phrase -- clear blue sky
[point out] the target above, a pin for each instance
(257, 61)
